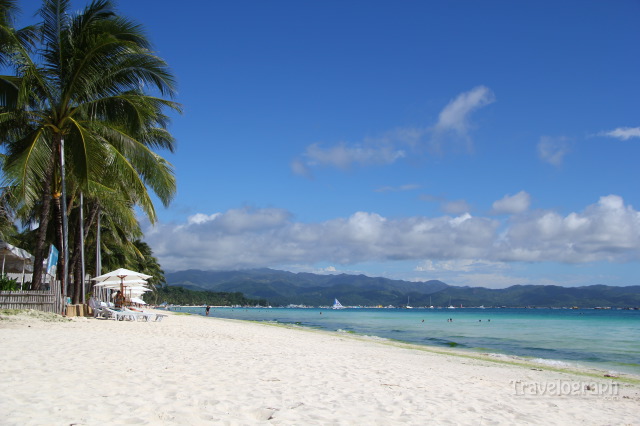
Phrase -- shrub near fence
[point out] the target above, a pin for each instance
(40, 300)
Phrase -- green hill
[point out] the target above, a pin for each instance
(283, 288)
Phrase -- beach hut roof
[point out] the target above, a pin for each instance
(14, 259)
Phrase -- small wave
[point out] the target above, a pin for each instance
(536, 348)
(502, 356)
(377, 338)
(552, 362)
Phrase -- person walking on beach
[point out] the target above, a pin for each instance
(207, 310)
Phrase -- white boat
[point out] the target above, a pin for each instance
(430, 305)
(450, 305)
(408, 306)
(337, 304)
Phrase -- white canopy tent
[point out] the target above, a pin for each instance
(15, 260)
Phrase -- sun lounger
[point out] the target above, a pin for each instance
(98, 310)
(140, 315)
(120, 315)
(127, 314)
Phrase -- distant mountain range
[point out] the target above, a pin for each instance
(284, 288)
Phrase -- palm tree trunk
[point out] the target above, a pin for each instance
(57, 211)
(60, 203)
(39, 254)
(77, 281)
(76, 266)
(65, 220)
(76, 258)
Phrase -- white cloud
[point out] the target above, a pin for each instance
(200, 218)
(469, 272)
(552, 150)
(455, 116)
(401, 188)
(299, 168)
(606, 231)
(343, 156)
(244, 238)
(511, 204)
(623, 133)
(447, 206)
(491, 280)
(234, 240)
(459, 265)
(456, 207)
(395, 144)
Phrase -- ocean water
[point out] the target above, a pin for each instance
(604, 339)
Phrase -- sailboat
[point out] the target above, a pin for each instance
(430, 305)
(337, 304)
(408, 306)
(450, 305)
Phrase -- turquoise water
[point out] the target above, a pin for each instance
(605, 339)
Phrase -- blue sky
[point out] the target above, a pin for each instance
(480, 143)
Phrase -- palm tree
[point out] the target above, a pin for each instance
(89, 112)
(7, 227)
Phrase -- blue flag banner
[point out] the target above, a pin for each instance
(52, 261)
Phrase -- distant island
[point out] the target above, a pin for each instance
(282, 288)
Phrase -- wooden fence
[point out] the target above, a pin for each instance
(46, 301)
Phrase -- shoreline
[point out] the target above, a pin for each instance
(613, 366)
(494, 357)
(191, 370)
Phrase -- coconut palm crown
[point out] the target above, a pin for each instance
(85, 106)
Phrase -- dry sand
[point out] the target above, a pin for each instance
(191, 370)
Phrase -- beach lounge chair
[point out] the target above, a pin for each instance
(138, 315)
(98, 310)
(120, 315)
(159, 317)
(109, 313)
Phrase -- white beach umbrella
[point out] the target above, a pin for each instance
(132, 292)
(119, 276)
(138, 290)
(125, 286)
(125, 283)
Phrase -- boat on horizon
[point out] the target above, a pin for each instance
(337, 304)
(408, 306)
(450, 305)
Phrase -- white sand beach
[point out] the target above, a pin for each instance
(191, 370)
